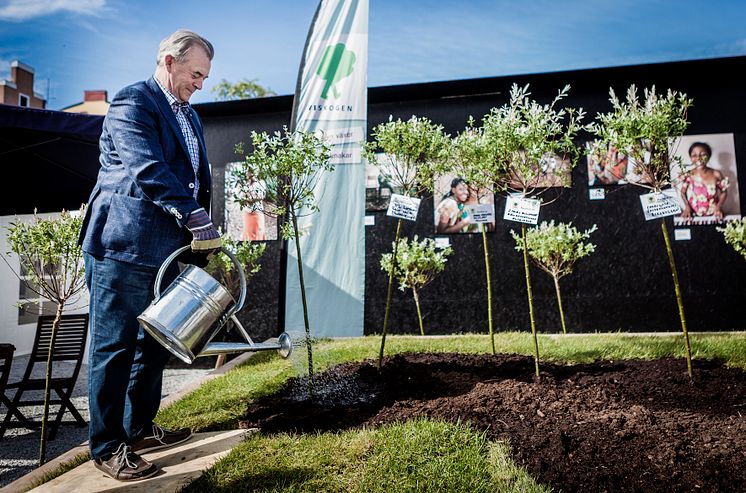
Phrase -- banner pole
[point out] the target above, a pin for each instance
(282, 299)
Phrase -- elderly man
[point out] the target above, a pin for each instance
(150, 198)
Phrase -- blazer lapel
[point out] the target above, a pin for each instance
(168, 113)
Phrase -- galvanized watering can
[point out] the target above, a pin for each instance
(186, 317)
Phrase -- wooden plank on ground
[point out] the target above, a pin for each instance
(179, 465)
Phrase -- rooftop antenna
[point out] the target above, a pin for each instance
(49, 84)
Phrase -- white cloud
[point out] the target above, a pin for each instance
(20, 10)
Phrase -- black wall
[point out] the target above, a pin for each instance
(626, 285)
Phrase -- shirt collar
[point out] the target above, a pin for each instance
(172, 100)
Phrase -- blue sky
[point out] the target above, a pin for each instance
(75, 45)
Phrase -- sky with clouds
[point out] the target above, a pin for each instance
(74, 45)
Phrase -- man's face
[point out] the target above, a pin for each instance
(187, 76)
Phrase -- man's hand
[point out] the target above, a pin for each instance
(206, 236)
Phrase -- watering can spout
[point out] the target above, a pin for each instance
(283, 346)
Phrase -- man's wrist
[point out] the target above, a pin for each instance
(198, 220)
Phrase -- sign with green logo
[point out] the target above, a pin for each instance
(336, 64)
(332, 101)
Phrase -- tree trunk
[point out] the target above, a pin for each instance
(309, 346)
(389, 292)
(530, 300)
(419, 313)
(489, 287)
(48, 381)
(559, 303)
(679, 297)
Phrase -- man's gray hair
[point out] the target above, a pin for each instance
(178, 44)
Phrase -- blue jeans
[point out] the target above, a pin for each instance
(125, 364)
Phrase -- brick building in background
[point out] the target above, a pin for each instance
(19, 90)
(94, 103)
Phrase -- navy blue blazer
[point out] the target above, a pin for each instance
(144, 193)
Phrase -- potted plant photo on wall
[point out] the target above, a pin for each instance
(706, 180)
(257, 219)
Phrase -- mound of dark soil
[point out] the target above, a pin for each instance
(607, 426)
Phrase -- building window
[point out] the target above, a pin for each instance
(23, 100)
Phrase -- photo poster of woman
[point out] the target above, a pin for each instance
(706, 180)
(452, 199)
(380, 183)
(257, 223)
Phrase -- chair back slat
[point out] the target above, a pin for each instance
(69, 344)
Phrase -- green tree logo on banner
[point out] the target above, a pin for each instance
(336, 64)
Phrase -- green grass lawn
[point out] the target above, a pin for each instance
(421, 455)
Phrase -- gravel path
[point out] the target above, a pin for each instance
(19, 448)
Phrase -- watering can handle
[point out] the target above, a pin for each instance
(239, 268)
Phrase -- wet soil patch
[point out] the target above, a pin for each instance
(608, 426)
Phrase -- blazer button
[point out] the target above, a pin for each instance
(191, 185)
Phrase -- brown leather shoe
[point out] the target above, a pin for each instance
(161, 438)
(125, 465)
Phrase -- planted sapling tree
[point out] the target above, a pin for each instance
(49, 254)
(524, 143)
(555, 248)
(413, 151)
(417, 264)
(472, 160)
(648, 130)
(288, 164)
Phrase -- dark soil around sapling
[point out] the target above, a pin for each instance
(607, 426)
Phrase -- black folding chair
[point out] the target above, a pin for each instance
(69, 345)
(6, 359)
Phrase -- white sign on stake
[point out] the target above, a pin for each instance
(660, 204)
(522, 210)
(482, 213)
(596, 193)
(403, 207)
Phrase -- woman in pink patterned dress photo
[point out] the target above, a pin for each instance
(703, 189)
